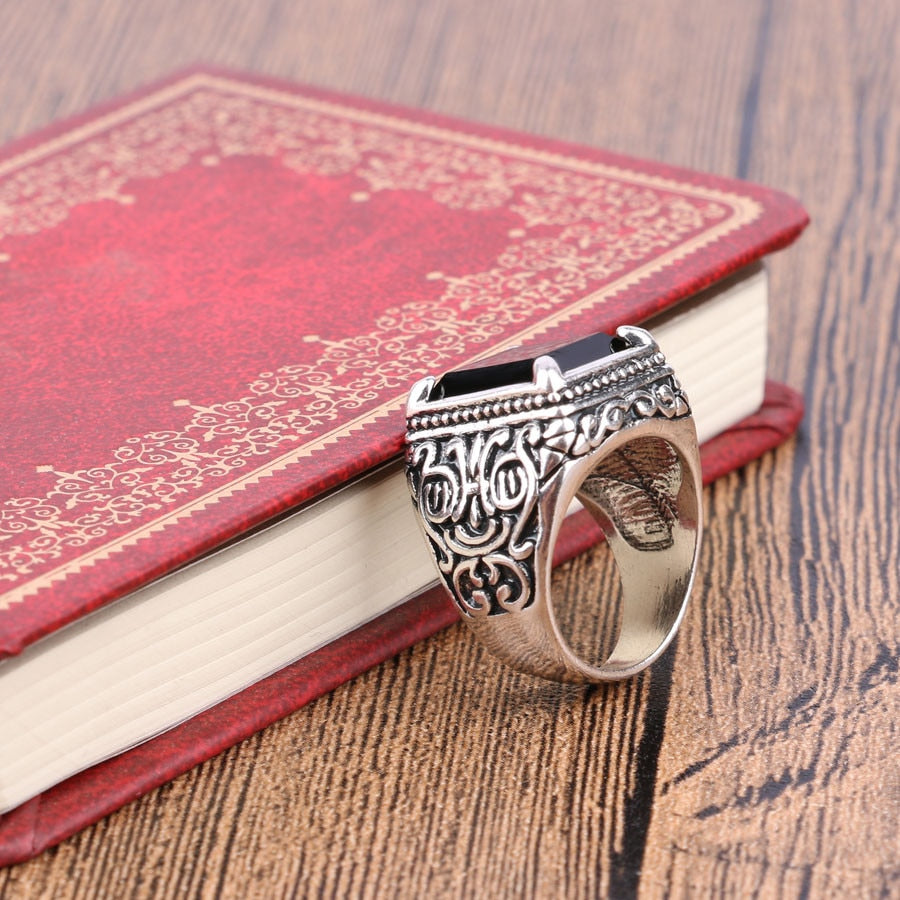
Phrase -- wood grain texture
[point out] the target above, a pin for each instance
(759, 757)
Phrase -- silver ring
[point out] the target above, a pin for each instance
(495, 455)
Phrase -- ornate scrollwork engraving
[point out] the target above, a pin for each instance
(477, 492)
(476, 495)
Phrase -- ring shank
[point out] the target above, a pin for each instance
(643, 487)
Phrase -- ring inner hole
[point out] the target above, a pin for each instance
(632, 493)
(590, 627)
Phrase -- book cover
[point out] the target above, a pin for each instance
(217, 292)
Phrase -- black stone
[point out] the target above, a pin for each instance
(521, 371)
(483, 378)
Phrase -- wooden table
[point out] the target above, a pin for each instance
(760, 756)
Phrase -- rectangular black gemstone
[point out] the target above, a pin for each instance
(578, 353)
(520, 371)
(483, 378)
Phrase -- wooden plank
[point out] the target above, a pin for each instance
(759, 756)
(779, 771)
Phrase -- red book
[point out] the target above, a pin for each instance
(217, 293)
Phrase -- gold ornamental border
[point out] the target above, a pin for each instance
(743, 211)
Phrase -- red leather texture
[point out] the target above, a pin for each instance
(84, 798)
(217, 292)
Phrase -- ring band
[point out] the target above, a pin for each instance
(495, 455)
